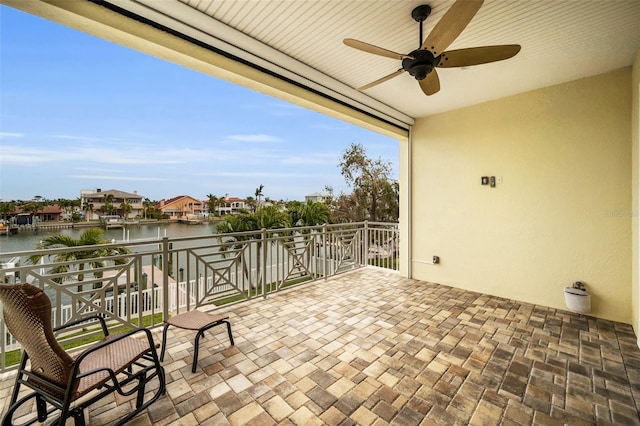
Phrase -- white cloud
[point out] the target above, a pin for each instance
(282, 109)
(313, 158)
(82, 138)
(277, 175)
(115, 154)
(340, 127)
(260, 137)
(126, 178)
(6, 135)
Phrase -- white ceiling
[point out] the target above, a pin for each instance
(561, 41)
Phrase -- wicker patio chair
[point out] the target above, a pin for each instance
(60, 382)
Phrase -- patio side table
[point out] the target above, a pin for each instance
(195, 320)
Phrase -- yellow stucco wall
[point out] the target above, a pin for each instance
(635, 197)
(404, 218)
(562, 213)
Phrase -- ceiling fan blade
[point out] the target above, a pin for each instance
(477, 55)
(451, 25)
(381, 80)
(431, 83)
(370, 48)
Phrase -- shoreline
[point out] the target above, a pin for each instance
(48, 226)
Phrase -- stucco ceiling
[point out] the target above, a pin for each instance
(561, 41)
(301, 41)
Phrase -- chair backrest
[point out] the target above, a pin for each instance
(27, 315)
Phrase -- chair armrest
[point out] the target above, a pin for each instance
(103, 323)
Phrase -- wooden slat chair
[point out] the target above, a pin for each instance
(67, 384)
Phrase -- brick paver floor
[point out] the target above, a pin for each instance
(373, 348)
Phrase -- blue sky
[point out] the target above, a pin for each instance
(78, 112)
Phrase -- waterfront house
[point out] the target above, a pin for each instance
(181, 207)
(45, 213)
(49, 213)
(316, 196)
(97, 199)
(231, 205)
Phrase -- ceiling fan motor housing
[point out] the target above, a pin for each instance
(422, 63)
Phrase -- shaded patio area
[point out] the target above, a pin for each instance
(370, 347)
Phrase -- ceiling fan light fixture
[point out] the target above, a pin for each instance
(421, 63)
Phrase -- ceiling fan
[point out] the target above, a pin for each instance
(422, 62)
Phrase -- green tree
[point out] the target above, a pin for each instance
(32, 208)
(251, 203)
(311, 213)
(88, 211)
(294, 210)
(375, 195)
(126, 208)
(146, 204)
(65, 205)
(259, 194)
(212, 204)
(106, 208)
(314, 213)
(266, 217)
(91, 257)
(7, 209)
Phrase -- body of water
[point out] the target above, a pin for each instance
(28, 240)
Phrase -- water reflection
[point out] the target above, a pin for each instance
(28, 240)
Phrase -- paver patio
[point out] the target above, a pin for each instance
(371, 347)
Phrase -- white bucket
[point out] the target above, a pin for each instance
(577, 300)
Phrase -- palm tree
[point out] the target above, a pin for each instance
(126, 208)
(310, 213)
(251, 203)
(88, 211)
(212, 203)
(146, 203)
(268, 217)
(32, 209)
(6, 209)
(258, 194)
(92, 256)
(108, 206)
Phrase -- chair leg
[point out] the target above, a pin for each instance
(41, 406)
(151, 372)
(41, 415)
(164, 341)
(196, 346)
(141, 385)
(78, 417)
(229, 331)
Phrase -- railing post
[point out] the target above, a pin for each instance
(365, 231)
(165, 278)
(263, 239)
(324, 251)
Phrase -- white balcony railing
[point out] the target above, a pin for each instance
(153, 279)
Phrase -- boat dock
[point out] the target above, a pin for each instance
(8, 228)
